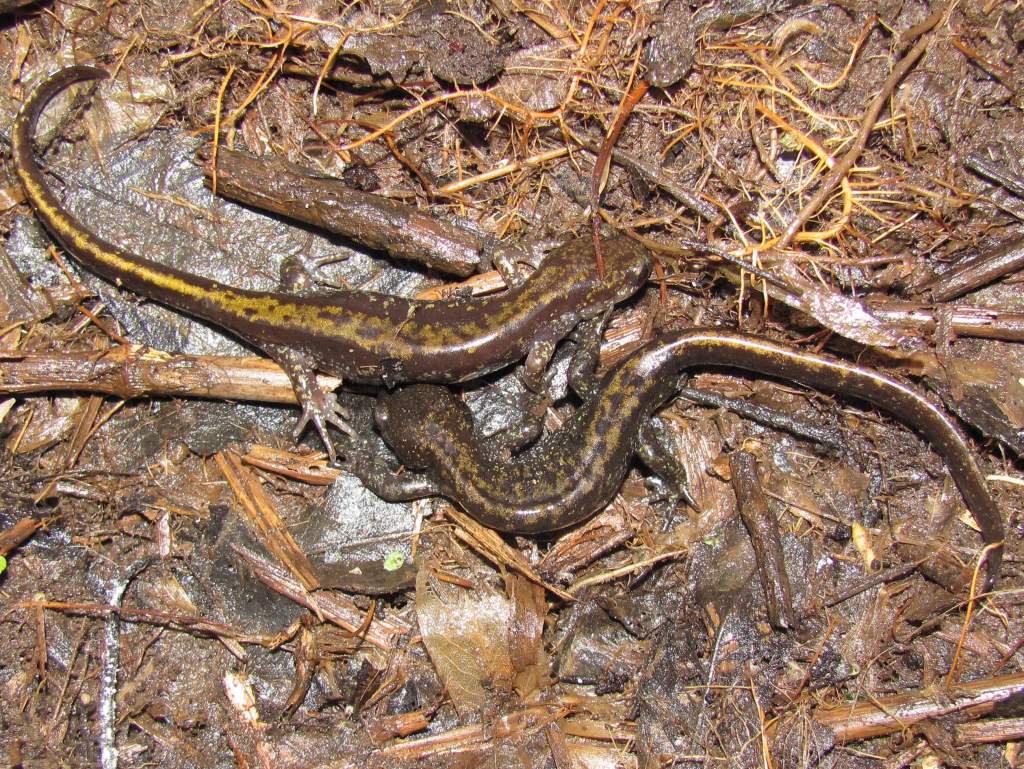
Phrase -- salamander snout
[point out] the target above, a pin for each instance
(627, 267)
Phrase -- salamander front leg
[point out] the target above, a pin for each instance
(535, 368)
(669, 481)
(515, 438)
(583, 366)
(320, 406)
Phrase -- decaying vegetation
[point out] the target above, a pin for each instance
(184, 586)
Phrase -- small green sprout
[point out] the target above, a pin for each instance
(394, 560)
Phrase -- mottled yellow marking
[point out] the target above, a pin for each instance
(560, 288)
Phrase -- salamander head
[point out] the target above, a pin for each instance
(627, 265)
(419, 421)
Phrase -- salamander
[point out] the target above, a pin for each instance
(570, 474)
(359, 336)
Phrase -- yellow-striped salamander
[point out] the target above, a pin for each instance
(362, 337)
(570, 474)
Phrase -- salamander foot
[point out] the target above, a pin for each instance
(366, 464)
(320, 405)
(669, 483)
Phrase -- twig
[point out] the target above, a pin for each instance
(602, 164)
(765, 538)
(978, 270)
(261, 514)
(107, 706)
(971, 603)
(996, 173)
(335, 607)
(274, 184)
(992, 730)
(829, 437)
(628, 568)
(133, 371)
(18, 533)
(887, 715)
(959, 320)
(489, 544)
(217, 124)
(843, 166)
(881, 577)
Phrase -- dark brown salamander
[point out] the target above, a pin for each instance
(572, 473)
(359, 336)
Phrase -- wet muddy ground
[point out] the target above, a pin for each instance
(186, 585)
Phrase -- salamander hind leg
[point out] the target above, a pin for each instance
(297, 274)
(296, 277)
(319, 405)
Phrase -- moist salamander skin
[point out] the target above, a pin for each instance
(362, 337)
(570, 474)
